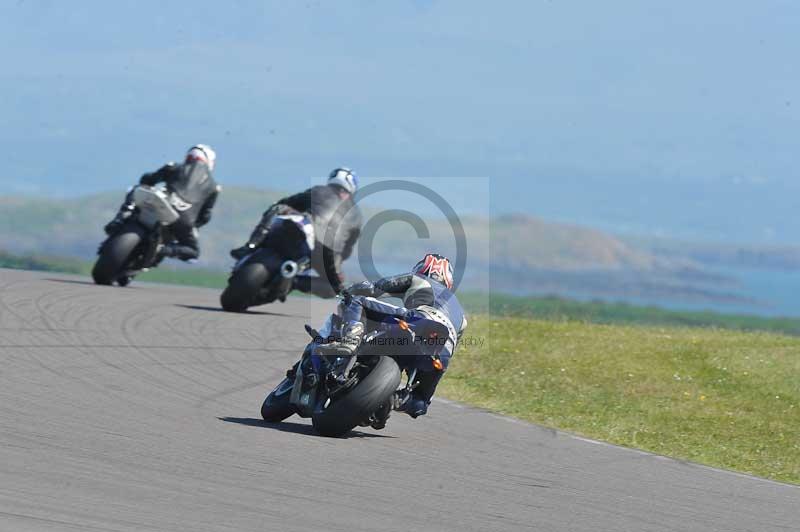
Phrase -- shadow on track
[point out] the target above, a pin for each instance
(295, 428)
(219, 309)
(72, 281)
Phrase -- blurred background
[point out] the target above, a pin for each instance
(620, 151)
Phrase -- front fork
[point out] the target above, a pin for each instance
(410, 385)
(150, 258)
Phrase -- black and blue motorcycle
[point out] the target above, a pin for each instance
(340, 393)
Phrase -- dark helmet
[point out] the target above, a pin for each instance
(437, 267)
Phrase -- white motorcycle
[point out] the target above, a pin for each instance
(134, 248)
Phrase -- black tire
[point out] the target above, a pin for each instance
(346, 412)
(243, 286)
(116, 253)
(276, 406)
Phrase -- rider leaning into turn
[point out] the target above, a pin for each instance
(427, 293)
(193, 191)
(337, 225)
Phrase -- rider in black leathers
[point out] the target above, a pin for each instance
(337, 226)
(194, 190)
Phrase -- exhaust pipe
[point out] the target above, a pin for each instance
(289, 269)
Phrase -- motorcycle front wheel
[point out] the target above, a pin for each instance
(115, 254)
(276, 406)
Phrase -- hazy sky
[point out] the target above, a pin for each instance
(678, 118)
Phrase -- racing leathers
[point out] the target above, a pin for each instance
(193, 193)
(424, 300)
(336, 221)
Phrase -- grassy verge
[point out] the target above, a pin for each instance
(186, 276)
(43, 263)
(557, 308)
(183, 276)
(723, 398)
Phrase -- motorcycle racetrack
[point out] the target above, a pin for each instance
(137, 409)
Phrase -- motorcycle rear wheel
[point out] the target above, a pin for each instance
(346, 412)
(243, 287)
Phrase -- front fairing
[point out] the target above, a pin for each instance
(153, 206)
(304, 390)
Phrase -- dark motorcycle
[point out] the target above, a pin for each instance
(340, 393)
(134, 248)
(266, 274)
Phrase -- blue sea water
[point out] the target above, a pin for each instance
(777, 292)
(769, 293)
(764, 292)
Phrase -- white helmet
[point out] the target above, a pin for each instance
(345, 178)
(202, 152)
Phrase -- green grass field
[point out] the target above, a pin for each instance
(723, 398)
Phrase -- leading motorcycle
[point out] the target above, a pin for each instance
(134, 247)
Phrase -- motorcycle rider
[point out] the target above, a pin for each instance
(337, 225)
(427, 294)
(193, 193)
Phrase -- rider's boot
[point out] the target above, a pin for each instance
(381, 415)
(119, 220)
(348, 342)
(414, 406)
(415, 403)
(165, 251)
(402, 401)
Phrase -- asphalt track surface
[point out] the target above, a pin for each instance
(137, 409)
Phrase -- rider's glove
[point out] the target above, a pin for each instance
(346, 296)
(338, 284)
(364, 288)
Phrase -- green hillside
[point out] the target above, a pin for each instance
(509, 254)
(73, 227)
